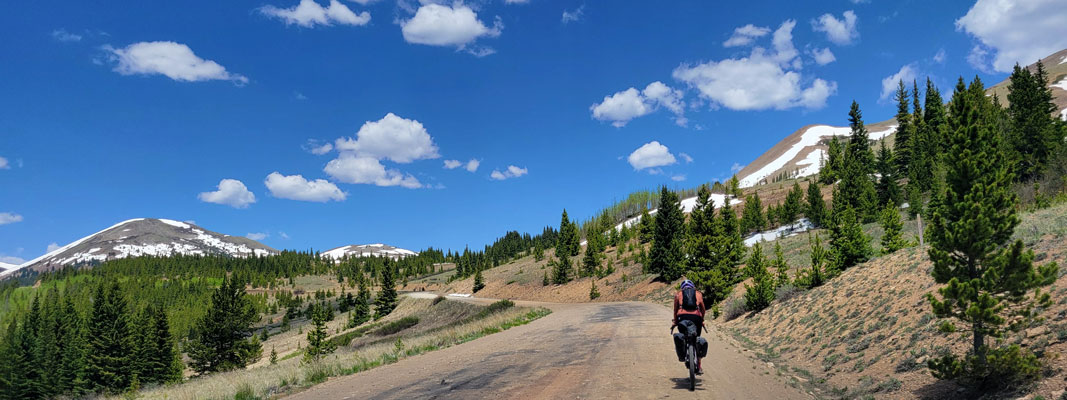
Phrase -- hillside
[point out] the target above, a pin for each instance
(145, 237)
(799, 154)
(368, 250)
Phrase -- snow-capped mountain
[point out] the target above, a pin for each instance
(803, 152)
(6, 267)
(146, 237)
(368, 250)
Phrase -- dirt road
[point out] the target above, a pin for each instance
(580, 351)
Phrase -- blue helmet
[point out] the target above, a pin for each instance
(688, 283)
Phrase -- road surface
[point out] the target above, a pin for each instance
(580, 351)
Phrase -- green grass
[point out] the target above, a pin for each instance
(397, 326)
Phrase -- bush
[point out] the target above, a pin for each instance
(786, 292)
(496, 307)
(438, 299)
(1004, 368)
(397, 326)
(734, 308)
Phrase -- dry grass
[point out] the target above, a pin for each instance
(288, 375)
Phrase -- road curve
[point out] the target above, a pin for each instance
(580, 351)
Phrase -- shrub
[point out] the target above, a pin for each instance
(496, 307)
(438, 299)
(1004, 367)
(786, 292)
(734, 308)
(397, 326)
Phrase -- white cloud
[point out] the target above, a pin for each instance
(573, 16)
(52, 247)
(823, 56)
(9, 218)
(685, 157)
(511, 172)
(906, 73)
(442, 25)
(736, 168)
(516, 1)
(174, 60)
(453, 164)
(860, 1)
(745, 35)
(1018, 31)
(283, 235)
(63, 36)
(678, 178)
(979, 59)
(840, 31)
(651, 155)
(4, 164)
(309, 13)
(314, 147)
(12, 260)
(231, 192)
(940, 56)
(352, 168)
(626, 105)
(295, 187)
(257, 235)
(472, 165)
(763, 80)
(399, 139)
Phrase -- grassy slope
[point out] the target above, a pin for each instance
(870, 330)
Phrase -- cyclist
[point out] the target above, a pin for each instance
(689, 318)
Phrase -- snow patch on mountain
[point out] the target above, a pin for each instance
(687, 205)
(812, 163)
(368, 250)
(809, 138)
(802, 225)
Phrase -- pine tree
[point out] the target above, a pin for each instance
(888, 190)
(856, 190)
(702, 229)
(479, 284)
(273, 356)
(818, 273)
(223, 339)
(108, 365)
(561, 270)
(318, 342)
(386, 301)
(893, 239)
(935, 121)
(568, 243)
(72, 354)
(730, 244)
(591, 260)
(25, 374)
(793, 205)
(780, 266)
(752, 218)
(848, 244)
(831, 171)
(647, 227)
(902, 139)
(760, 294)
(544, 279)
(987, 277)
(668, 251)
(816, 206)
(593, 293)
(1034, 132)
(361, 309)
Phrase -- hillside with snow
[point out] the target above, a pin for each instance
(6, 267)
(368, 250)
(145, 237)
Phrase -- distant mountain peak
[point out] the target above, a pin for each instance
(368, 250)
(145, 237)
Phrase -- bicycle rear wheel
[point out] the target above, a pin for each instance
(692, 367)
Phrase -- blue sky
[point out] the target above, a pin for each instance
(186, 110)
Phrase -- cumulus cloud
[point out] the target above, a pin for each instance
(511, 172)
(1016, 31)
(450, 26)
(840, 31)
(572, 16)
(766, 79)
(257, 235)
(626, 105)
(678, 178)
(736, 168)
(283, 235)
(453, 164)
(352, 168)
(295, 187)
(745, 35)
(309, 13)
(12, 260)
(9, 218)
(823, 56)
(4, 164)
(62, 35)
(173, 60)
(470, 166)
(399, 139)
(651, 155)
(685, 157)
(231, 192)
(906, 73)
